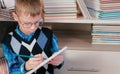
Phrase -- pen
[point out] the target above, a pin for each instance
(24, 56)
(27, 56)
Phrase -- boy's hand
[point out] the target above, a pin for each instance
(34, 62)
(56, 61)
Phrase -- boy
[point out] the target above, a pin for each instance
(30, 39)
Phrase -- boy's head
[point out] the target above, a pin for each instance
(28, 7)
(28, 15)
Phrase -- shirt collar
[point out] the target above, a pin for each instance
(21, 34)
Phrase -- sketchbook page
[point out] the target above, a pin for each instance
(43, 63)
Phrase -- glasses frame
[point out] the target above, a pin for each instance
(28, 25)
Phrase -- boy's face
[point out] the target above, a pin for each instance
(27, 23)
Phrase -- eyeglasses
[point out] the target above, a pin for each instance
(28, 25)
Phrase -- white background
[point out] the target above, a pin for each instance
(90, 62)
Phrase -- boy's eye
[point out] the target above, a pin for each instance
(27, 24)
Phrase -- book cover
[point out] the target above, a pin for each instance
(83, 8)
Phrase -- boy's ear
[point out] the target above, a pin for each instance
(14, 16)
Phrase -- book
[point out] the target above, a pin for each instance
(107, 28)
(59, 1)
(60, 18)
(63, 9)
(47, 60)
(99, 6)
(60, 10)
(104, 9)
(83, 8)
(59, 5)
(5, 14)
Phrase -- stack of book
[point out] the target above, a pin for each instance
(106, 34)
(104, 9)
(60, 9)
(6, 7)
(5, 14)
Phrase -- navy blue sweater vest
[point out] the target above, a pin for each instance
(39, 43)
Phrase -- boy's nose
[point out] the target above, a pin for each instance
(32, 26)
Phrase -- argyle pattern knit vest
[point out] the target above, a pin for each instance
(41, 43)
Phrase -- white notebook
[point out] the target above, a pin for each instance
(47, 60)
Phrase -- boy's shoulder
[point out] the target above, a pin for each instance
(48, 30)
(45, 28)
(6, 38)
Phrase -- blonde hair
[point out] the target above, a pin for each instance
(28, 7)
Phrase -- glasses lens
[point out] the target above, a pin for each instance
(27, 25)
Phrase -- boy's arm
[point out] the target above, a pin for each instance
(15, 65)
(55, 48)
